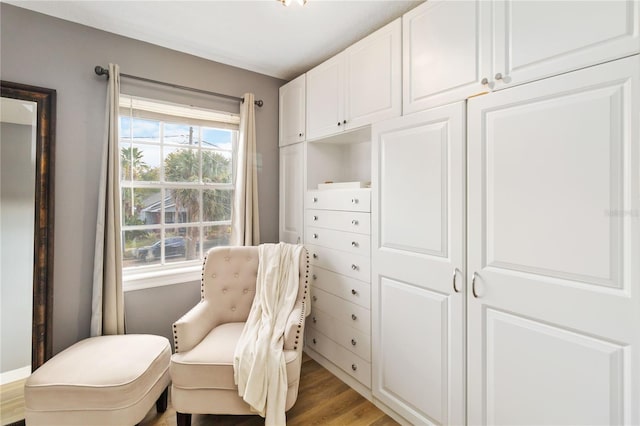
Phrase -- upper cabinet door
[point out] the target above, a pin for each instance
(538, 39)
(325, 98)
(374, 77)
(444, 57)
(292, 111)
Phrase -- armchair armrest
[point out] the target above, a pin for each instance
(294, 328)
(189, 330)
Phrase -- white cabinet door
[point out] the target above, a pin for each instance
(374, 77)
(291, 193)
(325, 98)
(554, 250)
(444, 59)
(538, 39)
(418, 299)
(292, 111)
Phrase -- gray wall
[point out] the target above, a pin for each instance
(44, 51)
(17, 198)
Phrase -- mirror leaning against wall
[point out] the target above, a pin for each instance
(27, 130)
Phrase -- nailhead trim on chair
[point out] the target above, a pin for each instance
(304, 301)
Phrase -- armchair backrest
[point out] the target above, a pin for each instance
(229, 282)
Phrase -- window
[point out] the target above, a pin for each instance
(176, 165)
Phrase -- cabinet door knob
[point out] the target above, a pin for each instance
(315, 218)
(455, 270)
(354, 222)
(354, 367)
(300, 134)
(315, 298)
(484, 81)
(498, 76)
(473, 285)
(353, 342)
(339, 123)
(354, 267)
(314, 340)
(355, 244)
(353, 291)
(315, 277)
(344, 121)
(314, 320)
(315, 236)
(315, 199)
(354, 317)
(354, 201)
(315, 256)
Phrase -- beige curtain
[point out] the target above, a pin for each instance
(107, 315)
(245, 227)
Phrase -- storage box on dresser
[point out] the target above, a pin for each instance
(337, 235)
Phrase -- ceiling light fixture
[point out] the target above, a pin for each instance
(288, 2)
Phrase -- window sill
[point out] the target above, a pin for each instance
(134, 280)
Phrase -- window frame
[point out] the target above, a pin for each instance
(142, 276)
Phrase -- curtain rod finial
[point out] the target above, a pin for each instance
(101, 71)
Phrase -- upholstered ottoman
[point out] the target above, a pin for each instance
(107, 380)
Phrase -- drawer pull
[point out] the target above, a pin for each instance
(354, 201)
(314, 340)
(315, 299)
(354, 222)
(353, 342)
(315, 256)
(315, 236)
(315, 218)
(314, 320)
(354, 317)
(355, 267)
(354, 367)
(315, 199)
(355, 244)
(353, 291)
(314, 276)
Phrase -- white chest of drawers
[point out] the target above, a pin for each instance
(337, 235)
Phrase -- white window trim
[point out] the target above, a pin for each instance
(152, 276)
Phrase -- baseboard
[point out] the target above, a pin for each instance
(15, 375)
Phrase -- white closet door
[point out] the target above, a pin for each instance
(537, 39)
(325, 98)
(554, 249)
(418, 180)
(292, 111)
(291, 193)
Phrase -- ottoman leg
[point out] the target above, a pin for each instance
(183, 419)
(161, 403)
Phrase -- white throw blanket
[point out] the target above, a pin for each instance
(258, 362)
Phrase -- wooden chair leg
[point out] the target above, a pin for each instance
(161, 403)
(183, 419)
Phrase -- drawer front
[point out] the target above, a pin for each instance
(357, 200)
(345, 241)
(347, 313)
(357, 222)
(352, 290)
(348, 337)
(355, 366)
(348, 264)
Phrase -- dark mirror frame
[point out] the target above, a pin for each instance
(45, 99)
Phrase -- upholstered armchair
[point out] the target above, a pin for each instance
(205, 337)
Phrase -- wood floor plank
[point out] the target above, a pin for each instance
(323, 399)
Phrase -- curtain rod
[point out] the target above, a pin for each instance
(104, 71)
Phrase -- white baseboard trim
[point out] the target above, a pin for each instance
(14, 375)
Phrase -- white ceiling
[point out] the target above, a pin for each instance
(258, 35)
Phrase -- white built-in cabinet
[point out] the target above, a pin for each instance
(418, 265)
(359, 86)
(553, 268)
(503, 229)
(292, 111)
(291, 223)
(453, 50)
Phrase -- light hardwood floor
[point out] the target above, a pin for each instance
(323, 399)
(12, 402)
